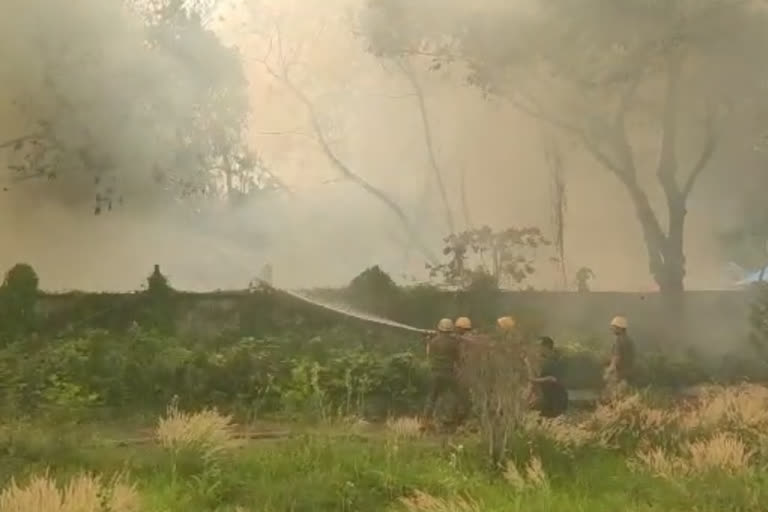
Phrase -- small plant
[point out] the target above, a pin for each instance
(206, 433)
(157, 283)
(504, 257)
(627, 420)
(722, 452)
(532, 477)
(423, 502)
(738, 407)
(83, 493)
(498, 382)
(18, 297)
(405, 428)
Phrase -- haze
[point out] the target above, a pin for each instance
(328, 229)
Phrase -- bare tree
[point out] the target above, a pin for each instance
(559, 201)
(277, 62)
(586, 67)
(407, 69)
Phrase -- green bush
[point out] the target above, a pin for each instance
(336, 372)
(18, 297)
(142, 370)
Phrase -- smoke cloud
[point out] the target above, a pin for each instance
(85, 66)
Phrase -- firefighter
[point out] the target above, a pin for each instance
(463, 326)
(551, 397)
(618, 374)
(444, 355)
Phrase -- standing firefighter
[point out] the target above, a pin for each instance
(443, 352)
(463, 326)
(620, 369)
(551, 395)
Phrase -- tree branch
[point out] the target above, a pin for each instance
(667, 166)
(464, 201)
(19, 140)
(708, 150)
(409, 74)
(594, 150)
(282, 76)
(652, 231)
(620, 123)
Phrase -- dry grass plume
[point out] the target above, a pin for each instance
(83, 493)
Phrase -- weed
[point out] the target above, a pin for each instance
(83, 493)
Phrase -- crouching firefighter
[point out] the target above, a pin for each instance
(550, 394)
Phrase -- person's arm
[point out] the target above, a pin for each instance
(427, 338)
(549, 374)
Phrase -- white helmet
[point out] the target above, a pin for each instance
(620, 322)
(445, 325)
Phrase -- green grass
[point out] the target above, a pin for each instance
(322, 471)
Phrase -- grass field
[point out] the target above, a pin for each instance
(631, 455)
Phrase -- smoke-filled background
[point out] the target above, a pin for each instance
(213, 139)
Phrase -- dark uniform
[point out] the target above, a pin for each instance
(552, 396)
(444, 357)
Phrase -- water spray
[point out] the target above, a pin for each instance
(344, 310)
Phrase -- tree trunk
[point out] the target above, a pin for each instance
(666, 257)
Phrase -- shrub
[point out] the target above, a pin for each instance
(83, 493)
(18, 297)
(205, 434)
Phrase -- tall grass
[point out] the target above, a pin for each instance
(206, 433)
(83, 493)
(625, 455)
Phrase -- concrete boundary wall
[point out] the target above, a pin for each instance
(711, 319)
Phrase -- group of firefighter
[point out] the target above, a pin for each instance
(449, 346)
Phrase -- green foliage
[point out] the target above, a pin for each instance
(482, 258)
(158, 310)
(18, 297)
(375, 291)
(759, 320)
(583, 276)
(346, 473)
(172, 114)
(333, 374)
(586, 68)
(142, 370)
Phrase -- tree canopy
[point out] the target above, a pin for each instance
(120, 95)
(669, 78)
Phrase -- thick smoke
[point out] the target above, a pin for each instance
(87, 68)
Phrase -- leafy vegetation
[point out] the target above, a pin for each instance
(348, 397)
(481, 258)
(18, 298)
(180, 102)
(601, 74)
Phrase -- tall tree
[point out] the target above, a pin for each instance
(559, 203)
(611, 75)
(123, 95)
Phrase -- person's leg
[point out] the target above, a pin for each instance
(432, 397)
(463, 405)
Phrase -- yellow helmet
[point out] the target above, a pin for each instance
(445, 325)
(620, 322)
(506, 323)
(463, 323)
